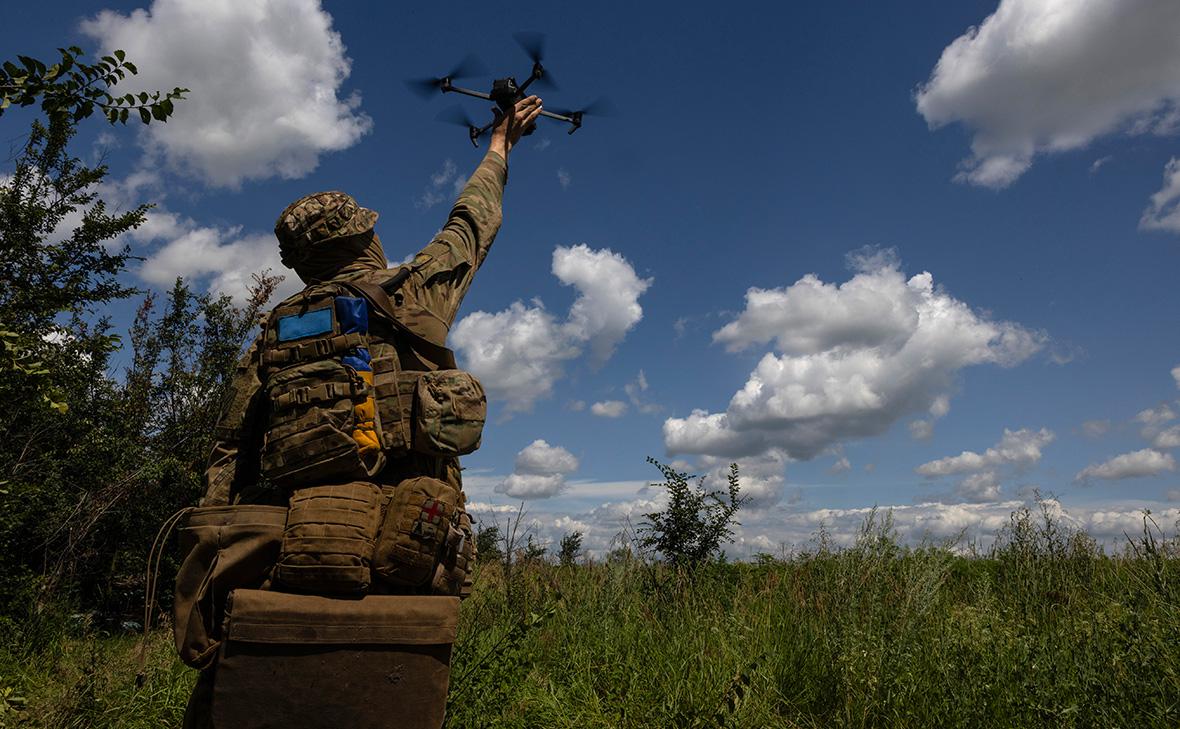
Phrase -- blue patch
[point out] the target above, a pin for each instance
(353, 315)
(358, 358)
(298, 326)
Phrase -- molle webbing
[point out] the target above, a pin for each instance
(328, 391)
(314, 349)
(329, 537)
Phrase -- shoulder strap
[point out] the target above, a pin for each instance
(380, 300)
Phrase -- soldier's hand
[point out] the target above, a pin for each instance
(508, 131)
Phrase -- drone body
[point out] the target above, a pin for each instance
(505, 92)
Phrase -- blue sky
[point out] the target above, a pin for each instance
(959, 221)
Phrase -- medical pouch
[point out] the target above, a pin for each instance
(324, 425)
(449, 413)
(328, 540)
(419, 516)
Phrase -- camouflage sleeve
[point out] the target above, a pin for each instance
(442, 271)
(233, 461)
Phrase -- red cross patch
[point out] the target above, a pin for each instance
(432, 511)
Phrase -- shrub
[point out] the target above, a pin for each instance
(691, 528)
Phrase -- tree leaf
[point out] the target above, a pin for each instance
(144, 115)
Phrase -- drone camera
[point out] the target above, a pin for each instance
(505, 92)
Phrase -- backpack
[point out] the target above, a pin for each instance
(323, 424)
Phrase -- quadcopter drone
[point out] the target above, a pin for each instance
(505, 92)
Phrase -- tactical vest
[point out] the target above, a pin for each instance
(350, 392)
(341, 400)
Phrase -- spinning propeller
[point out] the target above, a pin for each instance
(505, 92)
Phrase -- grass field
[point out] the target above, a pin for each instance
(1044, 630)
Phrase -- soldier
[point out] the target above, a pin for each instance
(330, 241)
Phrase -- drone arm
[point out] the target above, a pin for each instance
(558, 117)
(467, 92)
(538, 72)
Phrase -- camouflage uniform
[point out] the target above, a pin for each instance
(427, 302)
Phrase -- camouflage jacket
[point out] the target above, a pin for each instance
(427, 302)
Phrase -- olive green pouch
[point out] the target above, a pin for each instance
(420, 514)
(329, 537)
(449, 413)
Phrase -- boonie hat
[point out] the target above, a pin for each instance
(318, 218)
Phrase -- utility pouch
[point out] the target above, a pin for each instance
(328, 540)
(452, 576)
(395, 404)
(222, 548)
(419, 516)
(312, 662)
(450, 410)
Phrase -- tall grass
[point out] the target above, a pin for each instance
(1042, 630)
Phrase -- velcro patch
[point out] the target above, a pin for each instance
(298, 326)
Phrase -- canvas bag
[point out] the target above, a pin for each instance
(222, 548)
(316, 662)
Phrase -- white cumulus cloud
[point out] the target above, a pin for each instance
(609, 408)
(539, 457)
(1019, 448)
(761, 477)
(265, 80)
(1163, 209)
(540, 471)
(1137, 464)
(1167, 438)
(1155, 429)
(979, 488)
(607, 306)
(1041, 76)
(520, 353)
(222, 259)
(852, 359)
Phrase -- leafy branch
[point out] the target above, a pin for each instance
(77, 89)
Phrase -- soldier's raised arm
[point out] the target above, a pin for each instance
(442, 271)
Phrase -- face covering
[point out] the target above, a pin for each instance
(340, 256)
